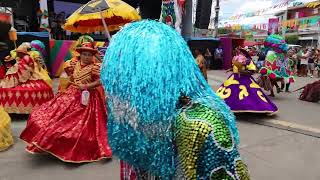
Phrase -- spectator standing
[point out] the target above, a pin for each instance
(317, 62)
(261, 58)
(208, 57)
(311, 61)
(304, 63)
(201, 62)
(218, 55)
(53, 25)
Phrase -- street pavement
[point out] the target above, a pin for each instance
(281, 147)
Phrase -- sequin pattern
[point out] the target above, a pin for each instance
(206, 148)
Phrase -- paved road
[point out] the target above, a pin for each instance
(270, 152)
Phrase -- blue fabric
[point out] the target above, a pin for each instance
(146, 68)
(37, 34)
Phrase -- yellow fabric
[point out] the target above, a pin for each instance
(224, 92)
(44, 75)
(64, 81)
(6, 139)
(252, 67)
(230, 81)
(117, 8)
(313, 4)
(39, 72)
(66, 64)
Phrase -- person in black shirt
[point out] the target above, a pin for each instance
(261, 58)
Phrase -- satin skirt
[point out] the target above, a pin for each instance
(23, 98)
(243, 94)
(6, 139)
(69, 130)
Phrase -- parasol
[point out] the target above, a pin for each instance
(313, 4)
(101, 15)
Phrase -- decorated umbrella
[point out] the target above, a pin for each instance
(101, 15)
(313, 4)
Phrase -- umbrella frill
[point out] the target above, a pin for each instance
(118, 14)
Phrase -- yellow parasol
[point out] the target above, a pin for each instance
(101, 15)
(313, 4)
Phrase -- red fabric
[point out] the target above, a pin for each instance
(311, 92)
(69, 130)
(2, 72)
(22, 98)
(127, 172)
(114, 20)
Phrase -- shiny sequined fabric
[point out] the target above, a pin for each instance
(206, 148)
(147, 67)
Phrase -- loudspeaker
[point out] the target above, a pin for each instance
(203, 14)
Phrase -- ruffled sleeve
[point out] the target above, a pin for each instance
(96, 71)
(19, 73)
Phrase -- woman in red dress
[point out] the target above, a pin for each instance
(23, 88)
(68, 128)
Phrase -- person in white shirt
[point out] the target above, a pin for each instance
(304, 63)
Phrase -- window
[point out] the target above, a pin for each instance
(315, 10)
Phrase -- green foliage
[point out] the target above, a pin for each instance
(224, 31)
(292, 39)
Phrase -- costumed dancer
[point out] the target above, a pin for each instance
(38, 53)
(6, 139)
(311, 92)
(201, 61)
(72, 126)
(164, 119)
(37, 45)
(276, 67)
(22, 88)
(241, 92)
(69, 64)
(83, 39)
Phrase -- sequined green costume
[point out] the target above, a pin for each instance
(206, 147)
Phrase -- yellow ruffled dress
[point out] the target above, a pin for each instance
(6, 139)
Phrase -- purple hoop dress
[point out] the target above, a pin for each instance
(242, 93)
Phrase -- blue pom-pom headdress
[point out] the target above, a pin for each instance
(37, 45)
(277, 43)
(147, 66)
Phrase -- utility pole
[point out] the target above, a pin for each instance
(216, 18)
(187, 25)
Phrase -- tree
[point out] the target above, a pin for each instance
(224, 31)
(292, 39)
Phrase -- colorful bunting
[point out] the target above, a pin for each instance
(261, 11)
(300, 23)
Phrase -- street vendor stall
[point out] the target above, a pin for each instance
(204, 45)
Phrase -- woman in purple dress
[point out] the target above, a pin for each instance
(241, 92)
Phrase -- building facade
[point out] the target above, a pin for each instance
(303, 22)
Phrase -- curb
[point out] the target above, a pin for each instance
(288, 126)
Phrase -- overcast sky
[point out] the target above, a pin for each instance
(234, 7)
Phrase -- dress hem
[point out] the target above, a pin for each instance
(254, 111)
(60, 158)
(6, 148)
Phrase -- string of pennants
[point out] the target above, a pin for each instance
(247, 26)
(301, 23)
(261, 11)
(294, 23)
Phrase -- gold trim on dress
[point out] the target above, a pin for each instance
(60, 158)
